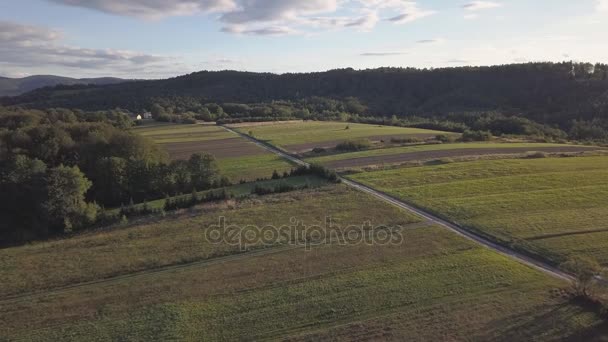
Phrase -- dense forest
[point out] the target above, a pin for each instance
(571, 97)
(60, 168)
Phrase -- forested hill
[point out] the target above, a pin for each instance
(544, 92)
(18, 86)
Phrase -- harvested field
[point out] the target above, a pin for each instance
(430, 155)
(300, 148)
(262, 123)
(220, 148)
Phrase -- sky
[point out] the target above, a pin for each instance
(166, 38)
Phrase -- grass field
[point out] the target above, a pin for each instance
(426, 148)
(237, 158)
(305, 136)
(173, 133)
(432, 286)
(554, 207)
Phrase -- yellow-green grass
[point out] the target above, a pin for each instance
(319, 131)
(553, 207)
(240, 190)
(174, 133)
(435, 286)
(178, 238)
(250, 168)
(423, 148)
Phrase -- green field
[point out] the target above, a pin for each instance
(285, 135)
(423, 148)
(553, 207)
(173, 133)
(234, 162)
(432, 286)
(250, 168)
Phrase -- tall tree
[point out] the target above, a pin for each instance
(65, 205)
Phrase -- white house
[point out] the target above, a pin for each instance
(138, 117)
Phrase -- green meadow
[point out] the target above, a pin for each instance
(284, 135)
(424, 148)
(552, 207)
(434, 285)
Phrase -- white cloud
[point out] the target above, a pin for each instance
(431, 41)
(382, 54)
(410, 11)
(267, 17)
(152, 9)
(260, 31)
(33, 46)
(481, 5)
(249, 11)
(602, 5)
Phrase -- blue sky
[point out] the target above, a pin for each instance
(164, 38)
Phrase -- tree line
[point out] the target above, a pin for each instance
(58, 168)
(571, 97)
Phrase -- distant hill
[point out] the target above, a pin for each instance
(548, 93)
(18, 86)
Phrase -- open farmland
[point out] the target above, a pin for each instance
(238, 158)
(552, 207)
(396, 155)
(433, 286)
(301, 137)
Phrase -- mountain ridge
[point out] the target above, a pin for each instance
(17, 86)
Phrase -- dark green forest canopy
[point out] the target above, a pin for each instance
(547, 93)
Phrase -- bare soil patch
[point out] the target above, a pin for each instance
(300, 148)
(221, 148)
(428, 155)
(263, 123)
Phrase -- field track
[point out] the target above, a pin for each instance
(299, 148)
(429, 155)
(524, 259)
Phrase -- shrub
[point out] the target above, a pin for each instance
(443, 138)
(354, 145)
(476, 136)
(405, 140)
(535, 154)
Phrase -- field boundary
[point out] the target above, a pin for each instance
(536, 263)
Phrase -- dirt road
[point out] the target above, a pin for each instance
(522, 258)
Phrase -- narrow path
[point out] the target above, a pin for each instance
(520, 257)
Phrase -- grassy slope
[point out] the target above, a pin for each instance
(318, 131)
(434, 286)
(555, 206)
(253, 167)
(158, 242)
(422, 148)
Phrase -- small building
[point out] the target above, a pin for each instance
(138, 117)
(147, 115)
